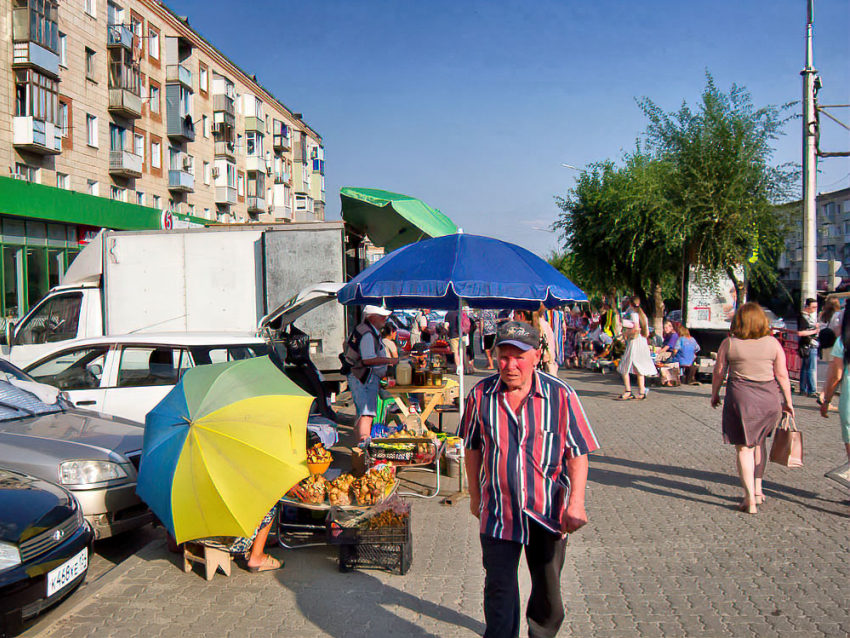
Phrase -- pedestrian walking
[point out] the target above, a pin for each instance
(527, 440)
(757, 392)
(838, 373)
(488, 320)
(364, 362)
(637, 358)
(547, 356)
(418, 326)
(807, 330)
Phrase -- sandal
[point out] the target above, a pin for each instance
(641, 397)
(269, 565)
(745, 507)
(626, 396)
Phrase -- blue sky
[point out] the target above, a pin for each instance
(473, 106)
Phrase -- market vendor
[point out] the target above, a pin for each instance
(532, 502)
(365, 363)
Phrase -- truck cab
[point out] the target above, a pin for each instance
(67, 313)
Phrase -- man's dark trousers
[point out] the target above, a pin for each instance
(545, 554)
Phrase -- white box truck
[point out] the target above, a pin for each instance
(188, 280)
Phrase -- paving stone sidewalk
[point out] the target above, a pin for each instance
(665, 553)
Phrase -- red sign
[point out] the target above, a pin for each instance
(167, 220)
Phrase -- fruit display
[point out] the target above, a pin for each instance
(318, 454)
(311, 490)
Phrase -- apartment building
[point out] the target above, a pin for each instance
(119, 115)
(833, 238)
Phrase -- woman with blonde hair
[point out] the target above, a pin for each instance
(637, 359)
(757, 392)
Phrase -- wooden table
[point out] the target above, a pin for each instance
(433, 395)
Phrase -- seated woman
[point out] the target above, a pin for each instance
(686, 348)
(253, 549)
(388, 336)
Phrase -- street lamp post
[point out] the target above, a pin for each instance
(809, 271)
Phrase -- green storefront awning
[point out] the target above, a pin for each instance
(391, 220)
(37, 201)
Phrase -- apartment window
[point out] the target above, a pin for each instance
(93, 187)
(231, 175)
(172, 206)
(114, 14)
(63, 50)
(91, 67)
(136, 28)
(185, 100)
(239, 148)
(139, 145)
(207, 214)
(175, 158)
(191, 210)
(254, 143)
(240, 184)
(124, 71)
(116, 194)
(42, 22)
(203, 78)
(156, 155)
(63, 119)
(36, 95)
(140, 198)
(157, 202)
(153, 42)
(91, 130)
(116, 137)
(207, 173)
(154, 97)
(26, 172)
(190, 164)
(63, 181)
(91, 7)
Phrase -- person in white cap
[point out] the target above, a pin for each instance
(365, 362)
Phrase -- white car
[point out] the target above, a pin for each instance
(127, 375)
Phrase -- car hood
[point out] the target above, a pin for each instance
(72, 434)
(29, 506)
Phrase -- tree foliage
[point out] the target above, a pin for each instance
(701, 190)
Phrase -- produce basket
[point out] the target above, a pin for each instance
(389, 548)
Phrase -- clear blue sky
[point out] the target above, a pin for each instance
(473, 106)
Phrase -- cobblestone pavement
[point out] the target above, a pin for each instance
(665, 552)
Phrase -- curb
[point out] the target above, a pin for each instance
(88, 591)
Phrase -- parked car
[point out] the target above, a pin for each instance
(93, 456)
(127, 375)
(45, 545)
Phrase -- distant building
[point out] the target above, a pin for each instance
(833, 239)
(120, 115)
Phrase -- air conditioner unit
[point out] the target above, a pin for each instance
(268, 170)
(214, 172)
(187, 163)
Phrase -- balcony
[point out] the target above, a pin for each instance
(282, 177)
(282, 142)
(255, 163)
(255, 124)
(225, 149)
(125, 164)
(36, 136)
(223, 104)
(119, 35)
(125, 103)
(256, 204)
(32, 54)
(225, 195)
(180, 127)
(182, 181)
(178, 74)
(319, 166)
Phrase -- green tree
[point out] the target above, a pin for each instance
(722, 188)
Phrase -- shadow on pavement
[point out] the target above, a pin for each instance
(645, 479)
(358, 601)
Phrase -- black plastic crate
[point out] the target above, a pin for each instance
(393, 558)
(387, 548)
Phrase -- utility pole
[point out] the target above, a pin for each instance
(810, 131)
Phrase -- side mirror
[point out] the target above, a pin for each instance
(95, 369)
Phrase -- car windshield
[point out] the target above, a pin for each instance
(16, 402)
(8, 371)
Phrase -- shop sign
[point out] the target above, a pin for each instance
(85, 234)
(167, 220)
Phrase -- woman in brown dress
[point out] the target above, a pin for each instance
(757, 392)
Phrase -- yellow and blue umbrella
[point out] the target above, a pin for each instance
(222, 447)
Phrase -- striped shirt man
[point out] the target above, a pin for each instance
(524, 453)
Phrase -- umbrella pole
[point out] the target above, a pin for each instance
(453, 499)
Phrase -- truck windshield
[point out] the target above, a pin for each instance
(16, 403)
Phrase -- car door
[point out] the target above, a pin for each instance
(143, 375)
(79, 372)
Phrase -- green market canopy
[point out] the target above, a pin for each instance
(391, 220)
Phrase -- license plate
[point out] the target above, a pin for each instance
(67, 572)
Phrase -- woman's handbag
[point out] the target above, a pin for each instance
(787, 448)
